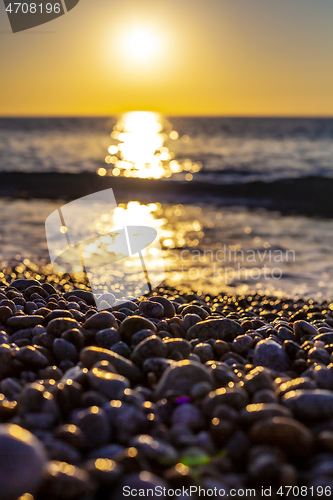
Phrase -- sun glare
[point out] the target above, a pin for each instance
(141, 44)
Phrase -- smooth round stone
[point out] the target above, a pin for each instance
(169, 310)
(319, 355)
(157, 366)
(104, 470)
(107, 338)
(204, 351)
(242, 344)
(10, 388)
(257, 379)
(218, 329)
(23, 284)
(302, 328)
(327, 338)
(58, 313)
(323, 377)
(144, 481)
(91, 355)
(155, 449)
(84, 295)
(5, 314)
(235, 397)
(181, 377)
(181, 345)
(194, 309)
(22, 462)
(310, 405)
(109, 384)
(148, 348)
(66, 481)
(270, 354)
(264, 396)
(93, 398)
(22, 321)
(58, 326)
(133, 324)
(189, 415)
(6, 359)
(294, 385)
(200, 390)
(222, 373)
(64, 350)
(283, 432)
(70, 434)
(94, 424)
(31, 356)
(140, 336)
(152, 309)
(121, 348)
(75, 337)
(190, 320)
(254, 412)
(100, 321)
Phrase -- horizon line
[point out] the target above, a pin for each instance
(178, 115)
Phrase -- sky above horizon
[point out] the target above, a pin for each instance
(188, 57)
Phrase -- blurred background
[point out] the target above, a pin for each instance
(210, 120)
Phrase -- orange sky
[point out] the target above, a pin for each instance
(214, 57)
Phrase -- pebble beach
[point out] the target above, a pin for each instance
(173, 390)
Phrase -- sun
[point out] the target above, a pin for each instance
(141, 44)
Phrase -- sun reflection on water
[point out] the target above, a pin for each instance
(140, 148)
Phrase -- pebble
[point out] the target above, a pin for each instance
(87, 297)
(6, 359)
(94, 425)
(193, 309)
(204, 351)
(152, 309)
(255, 412)
(257, 379)
(219, 329)
(181, 377)
(134, 324)
(169, 309)
(310, 405)
(100, 321)
(157, 366)
(91, 355)
(284, 432)
(66, 481)
(270, 354)
(109, 384)
(20, 322)
(57, 326)
(180, 345)
(22, 462)
(31, 356)
(122, 349)
(236, 397)
(107, 338)
(64, 350)
(190, 320)
(148, 348)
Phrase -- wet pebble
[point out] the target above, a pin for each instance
(22, 462)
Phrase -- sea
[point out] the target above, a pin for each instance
(239, 246)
